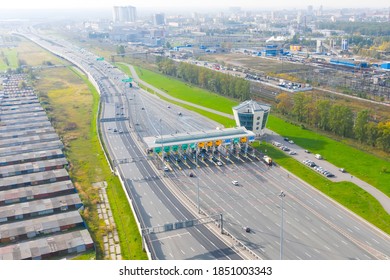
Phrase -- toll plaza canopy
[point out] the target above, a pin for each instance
(200, 139)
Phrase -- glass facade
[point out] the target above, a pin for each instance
(246, 120)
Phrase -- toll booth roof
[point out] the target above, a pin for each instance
(197, 136)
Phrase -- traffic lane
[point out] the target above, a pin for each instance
(339, 216)
(181, 213)
(298, 232)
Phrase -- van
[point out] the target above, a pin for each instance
(235, 183)
(318, 156)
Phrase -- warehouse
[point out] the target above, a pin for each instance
(32, 167)
(49, 247)
(33, 179)
(31, 157)
(28, 229)
(42, 207)
(36, 192)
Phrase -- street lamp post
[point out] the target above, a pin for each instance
(197, 178)
(282, 195)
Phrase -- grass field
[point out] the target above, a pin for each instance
(12, 56)
(362, 165)
(73, 105)
(187, 92)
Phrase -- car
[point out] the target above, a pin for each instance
(235, 183)
(307, 151)
(180, 114)
(142, 108)
(342, 170)
(192, 174)
(166, 168)
(115, 130)
(291, 142)
(219, 163)
(168, 107)
(286, 139)
(292, 153)
(247, 229)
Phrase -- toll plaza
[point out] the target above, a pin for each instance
(200, 148)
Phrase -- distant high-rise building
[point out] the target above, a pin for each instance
(124, 14)
(344, 44)
(159, 19)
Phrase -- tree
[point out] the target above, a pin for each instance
(285, 103)
(383, 140)
(120, 50)
(299, 106)
(323, 109)
(360, 127)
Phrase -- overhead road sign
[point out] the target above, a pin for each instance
(128, 80)
(100, 58)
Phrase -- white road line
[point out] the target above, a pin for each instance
(344, 242)
(326, 247)
(376, 241)
(307, 254)
(182, 252)
(192, 249)
(356, 227)
(339, 216)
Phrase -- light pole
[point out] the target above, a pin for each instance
(162, 144)
(197, 178)
(282, 195)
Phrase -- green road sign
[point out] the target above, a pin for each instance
(128, 80)
(236, 140)
(100, 58)
(167, 149)
(157, 150)
(192, 146)
(184, 146)
(175, 148)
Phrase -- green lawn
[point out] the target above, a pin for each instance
(12, 56)
(185, 92)
(365, 166)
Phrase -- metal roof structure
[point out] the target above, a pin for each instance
(31, 157)
(6, 151)
(36, 192)
(44, 248)
(39, 226)
(32, 167)
(37, 199)
(251, 106)
(197, 136)
(40, 207)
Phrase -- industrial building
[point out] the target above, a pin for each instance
(252, 115)
(39, 205)
(349, 63)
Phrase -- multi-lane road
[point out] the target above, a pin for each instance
(314, 227)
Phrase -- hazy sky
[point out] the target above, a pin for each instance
(277, 4)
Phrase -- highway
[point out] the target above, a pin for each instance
(314, 226)
(154, 203)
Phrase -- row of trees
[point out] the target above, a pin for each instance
(214, 81)
(339, 119)
(363, 28)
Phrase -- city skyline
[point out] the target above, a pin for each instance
(280, 4)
